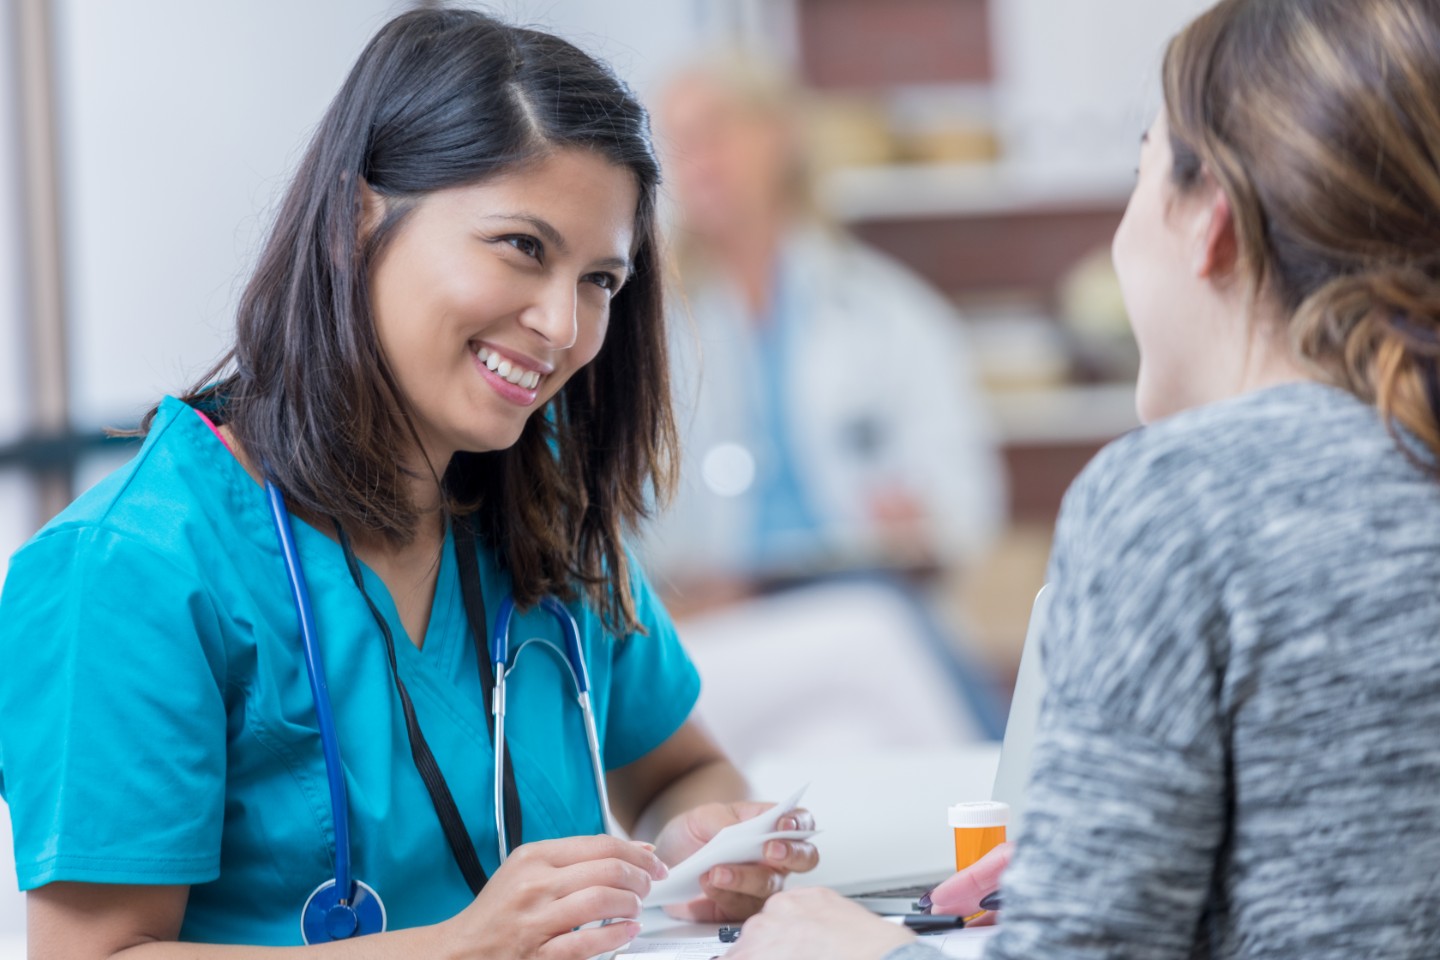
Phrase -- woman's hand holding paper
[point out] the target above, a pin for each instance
(736, 890)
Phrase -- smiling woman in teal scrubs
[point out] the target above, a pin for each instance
(455, 325)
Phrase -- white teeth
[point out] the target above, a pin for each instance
(529, 379)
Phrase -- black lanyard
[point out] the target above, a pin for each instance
(472, 594)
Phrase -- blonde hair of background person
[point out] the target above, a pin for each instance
(767, 100)
(1241, 739)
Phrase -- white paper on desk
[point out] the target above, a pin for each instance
(742, 842)
(967, 944)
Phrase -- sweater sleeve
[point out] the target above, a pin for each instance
(1127, 800)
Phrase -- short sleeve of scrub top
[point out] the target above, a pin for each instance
(156, 723)
(113, 713)
(655, 684)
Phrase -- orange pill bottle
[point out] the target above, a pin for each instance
(979, 828)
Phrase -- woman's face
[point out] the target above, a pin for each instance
(490, 296)
(1159, 252)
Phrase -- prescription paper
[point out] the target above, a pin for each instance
(742, 842)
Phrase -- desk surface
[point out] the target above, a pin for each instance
(880, 815)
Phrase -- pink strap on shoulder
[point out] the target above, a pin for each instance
(214, 429)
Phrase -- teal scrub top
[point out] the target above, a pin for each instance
(156, 723)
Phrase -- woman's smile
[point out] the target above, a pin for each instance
(515, 378)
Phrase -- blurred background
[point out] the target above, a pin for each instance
(898, 334)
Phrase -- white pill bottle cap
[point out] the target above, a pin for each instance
(981, 813)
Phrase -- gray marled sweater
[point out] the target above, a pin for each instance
(1239, 753)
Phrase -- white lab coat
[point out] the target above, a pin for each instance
(879, 392)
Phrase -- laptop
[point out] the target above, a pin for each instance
(898, 894)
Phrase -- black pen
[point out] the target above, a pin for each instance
(927, 922)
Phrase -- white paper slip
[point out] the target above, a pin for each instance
(742, 842)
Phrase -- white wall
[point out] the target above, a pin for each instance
(12, 385)
(179, 123)
(642, 39)
(1078, 80)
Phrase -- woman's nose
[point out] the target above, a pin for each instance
(554, 316)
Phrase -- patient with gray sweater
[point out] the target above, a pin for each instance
(1239, 751)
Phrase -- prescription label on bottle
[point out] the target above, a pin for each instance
(979, 828)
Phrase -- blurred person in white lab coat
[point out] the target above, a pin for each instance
(832, 422)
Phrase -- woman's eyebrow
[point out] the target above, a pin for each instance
(543, 227)
(614, 263)
(552, 236)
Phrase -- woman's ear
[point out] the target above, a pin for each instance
(372, 209)
(1216, 246)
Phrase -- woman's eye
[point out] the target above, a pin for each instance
(527, 245)
(605, 281)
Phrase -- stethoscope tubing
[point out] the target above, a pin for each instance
(499, 649)
(319, 690)
(579, 672)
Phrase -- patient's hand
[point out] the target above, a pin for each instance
(960, 896)
(820, 924)
(739, 890)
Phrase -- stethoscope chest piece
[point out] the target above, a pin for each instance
(326, 919)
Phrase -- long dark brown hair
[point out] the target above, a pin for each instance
(443, 98)
(1320, 120)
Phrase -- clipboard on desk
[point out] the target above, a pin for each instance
(898, 894)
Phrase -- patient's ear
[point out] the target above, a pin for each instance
(1217, 248)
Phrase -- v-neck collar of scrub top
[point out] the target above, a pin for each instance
(446, 629)
(443, 654)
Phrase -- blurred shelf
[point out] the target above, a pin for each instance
(911, 191)
(1064, 416)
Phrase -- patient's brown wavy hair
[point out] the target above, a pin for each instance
(1320, 120)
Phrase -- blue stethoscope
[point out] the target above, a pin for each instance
(345, 906)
